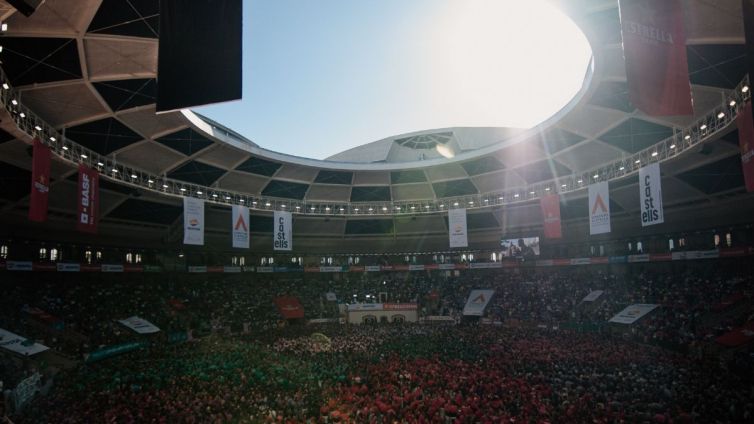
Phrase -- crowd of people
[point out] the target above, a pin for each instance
(546, 356)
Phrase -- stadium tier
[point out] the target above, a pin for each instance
(158, 266)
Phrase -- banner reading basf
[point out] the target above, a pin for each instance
(599, 208)
(654, 47)
(40, 182)
(193, 221)
(283, 231)
(745, 123)
(550, 206)
(457, 228)
(240, 227)
(651, 195)
(87, 200)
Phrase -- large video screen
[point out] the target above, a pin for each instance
(520, 247)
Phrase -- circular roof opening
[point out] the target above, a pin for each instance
(323, 77)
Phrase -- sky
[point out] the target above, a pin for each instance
(320, 77)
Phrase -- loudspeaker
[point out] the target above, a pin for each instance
(27, 7)
(199, 56)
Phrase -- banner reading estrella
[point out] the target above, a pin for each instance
(240, 226)
(283, 231)
(745, 123)
(599, 208)
(457, 228)
(193, 221)
(550, 206)
(651, 195)
(654, 47)
(87, 200)
(40, 182)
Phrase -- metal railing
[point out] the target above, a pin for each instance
(703, 129)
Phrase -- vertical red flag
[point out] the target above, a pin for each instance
(654, 47)
(87, 200)
(745, 123)
(551, 213)
(40, 182)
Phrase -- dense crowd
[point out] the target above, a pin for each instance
(245, 364)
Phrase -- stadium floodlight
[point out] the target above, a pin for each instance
(52, 138)
(65, 147)
(199, 193)
(283, 206)
(721, 115)
(37, 127)
(327, 209)
(672, 146)
(596, 176)
(83, 156)
(455, 204)
(745, 88)
(531, 192)
(214, 195)
(516, 195)
(637, 161)
(547, 188)
(580, 181)
(654, 154)
(150, 181)
(621, 168)
(267, 204)
(703, 127)
(183, 189)
(384, 208)
(6, 86)
(134, 176)
(14, 102)
(100, 164)
(23, 115)
(732, 103)
(164, 186)
(426, 206)
(240, 200)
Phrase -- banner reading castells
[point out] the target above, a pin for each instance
(282, 233)
(651, 195)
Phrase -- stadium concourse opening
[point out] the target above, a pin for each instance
(594, 268)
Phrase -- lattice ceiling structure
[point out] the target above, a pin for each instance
(85, 71)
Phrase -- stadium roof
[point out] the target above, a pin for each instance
(86, 70)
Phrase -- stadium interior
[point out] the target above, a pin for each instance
(449, 275)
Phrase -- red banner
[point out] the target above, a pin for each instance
(738, 336)
(654, 48)
(551, 213)
(289, 307)
(745, 123)
(87, 200)
(40, 182)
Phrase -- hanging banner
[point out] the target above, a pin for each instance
(283, 231)
(651, 195)
(748, 12)
(745, 123)
(139, 325)
(87, 200)
(457, 228)
(599, 208)
(193, 221)
(550, 206)
(40, 182)
(654, 48)
(240, 226)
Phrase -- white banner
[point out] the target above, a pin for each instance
(240, 227)
(283, 232)
(651, 195)
(592, 296)
(633, 313)
(599, 208)
(139, 325)
(485, 265)
(457, 228)
(197, 269)
(193, 221)
(231, 269)
(372, 268)
(477, 301)
(20, 345)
